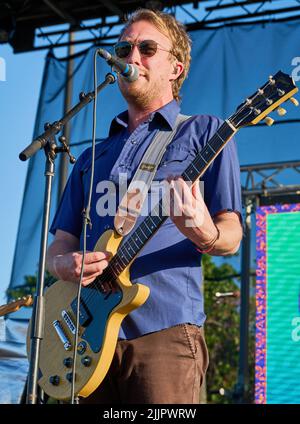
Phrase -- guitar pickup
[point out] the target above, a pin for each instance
(68, 320)
(85, 316)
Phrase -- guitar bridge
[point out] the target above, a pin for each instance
(61, 334)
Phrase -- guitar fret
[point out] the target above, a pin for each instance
(150, 226)
(216, 144)
(141, 239)
(130, 252)
(125, 254)
(196, 169)
(129, 246)
(218, 135)
(214, 152)
(113, 272)
(145, 222)
(190, 174)
(199, 166)
(118, 267)
(225, 132)
(121, 259)
(141, 229)
(151, 223)
(202, 157)
(134, 242)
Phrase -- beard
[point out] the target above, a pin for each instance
(139, 93)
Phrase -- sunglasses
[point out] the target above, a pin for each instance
(147, 48)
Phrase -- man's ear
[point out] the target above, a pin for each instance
(177, 70)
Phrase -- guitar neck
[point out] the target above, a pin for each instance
(130, 249)
(277, 90)
(15, 305)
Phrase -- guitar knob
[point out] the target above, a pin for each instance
(294, 101)
(269, 121)
(68, 362)
(54, 379)
(69, 377)
(281, 111)
(81, 348)
(86, 361)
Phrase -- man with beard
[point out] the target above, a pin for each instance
(161, 355)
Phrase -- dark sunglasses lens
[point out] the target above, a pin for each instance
(148, 48)
(122, 49)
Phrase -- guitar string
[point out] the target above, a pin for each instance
(109, 273)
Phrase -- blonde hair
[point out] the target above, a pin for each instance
(175, 31)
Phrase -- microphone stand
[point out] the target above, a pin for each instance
(47, 142)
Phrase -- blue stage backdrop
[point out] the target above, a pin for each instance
(228, 64)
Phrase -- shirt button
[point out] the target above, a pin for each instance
(133, 141)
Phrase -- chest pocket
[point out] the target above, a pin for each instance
(174, 162)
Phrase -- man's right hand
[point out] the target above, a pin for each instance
(67, 267)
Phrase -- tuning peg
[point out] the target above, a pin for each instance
(281, 111)
(294, 101)
(269, 121)
(271, 79)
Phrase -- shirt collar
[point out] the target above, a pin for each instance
(166, 114)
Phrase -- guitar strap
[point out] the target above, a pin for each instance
(131, 205)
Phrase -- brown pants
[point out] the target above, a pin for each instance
(167, 366)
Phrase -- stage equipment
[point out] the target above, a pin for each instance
(277, 370)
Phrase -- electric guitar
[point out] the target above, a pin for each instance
(107, 301)
(15, 305)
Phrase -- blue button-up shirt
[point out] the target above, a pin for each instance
(169, 264)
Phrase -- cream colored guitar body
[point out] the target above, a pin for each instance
(102, 315)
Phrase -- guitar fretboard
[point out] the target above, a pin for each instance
(129, 250)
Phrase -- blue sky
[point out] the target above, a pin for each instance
(18, 103)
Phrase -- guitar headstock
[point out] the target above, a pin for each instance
(269, 97)
(16, 304)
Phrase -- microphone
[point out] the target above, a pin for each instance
(128, 71)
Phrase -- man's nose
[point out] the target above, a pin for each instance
(134, 56)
